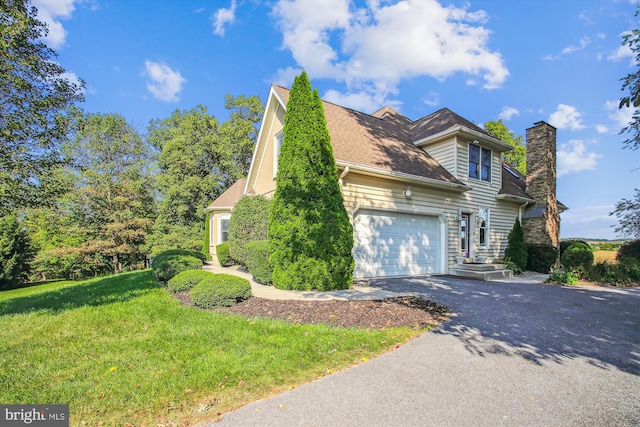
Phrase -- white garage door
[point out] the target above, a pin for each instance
(395, 244)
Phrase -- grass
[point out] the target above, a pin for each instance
(121, 350)
(605, 256)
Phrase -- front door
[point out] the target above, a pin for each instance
(465, 234)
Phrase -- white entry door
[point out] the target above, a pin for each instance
(396, 244)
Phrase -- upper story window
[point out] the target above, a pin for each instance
(479, 163)
(277, 145)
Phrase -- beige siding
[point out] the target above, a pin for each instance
(214, 236)
(361, 191)
(445, 153)
(265, 175)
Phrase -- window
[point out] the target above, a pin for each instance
(223, 230)
(483, 227)
(277, 145)
(479, 163)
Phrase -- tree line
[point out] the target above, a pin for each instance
(85, 194)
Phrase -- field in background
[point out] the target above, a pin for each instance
(605, 256)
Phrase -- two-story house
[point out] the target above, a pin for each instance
(424, 196)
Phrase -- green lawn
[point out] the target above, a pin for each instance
(121, 350)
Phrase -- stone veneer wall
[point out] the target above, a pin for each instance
(541, 185)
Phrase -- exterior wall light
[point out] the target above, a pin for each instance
(407, 193)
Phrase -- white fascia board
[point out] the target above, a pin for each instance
(272, 94)
(489, 141)
(514, 198)
(401, 176)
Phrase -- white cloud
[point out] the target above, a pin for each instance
(433, 99)
(622, 52)
(620, 116)
(602, 128)
(165, 84)
(360, 101)
(507, 113)
(374, 47)
(222, 17)
(51, 12)
(573, 157)
(566, 117)
(74, 79)
(584, 42)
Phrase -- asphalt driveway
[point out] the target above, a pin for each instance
(512, 354)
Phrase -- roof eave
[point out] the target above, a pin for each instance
(514, 198)
(401, 176)
(489, 141)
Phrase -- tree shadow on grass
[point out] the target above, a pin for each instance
(107, 290)
(536, 322)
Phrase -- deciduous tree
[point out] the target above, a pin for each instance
(628, 213)
(310, 236)
(631, 85)
(36, 107)
(516, 157)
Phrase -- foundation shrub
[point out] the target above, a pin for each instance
(223, 254)
(221, 290)
(257, 256)
(541, 258)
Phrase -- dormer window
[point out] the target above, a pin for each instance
(479, 163)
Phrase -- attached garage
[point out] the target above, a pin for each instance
(397, 244)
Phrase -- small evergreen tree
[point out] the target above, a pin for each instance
(15, 253)
(206, 241)
(310, 236)
(516, 251)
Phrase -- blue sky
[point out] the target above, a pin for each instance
(522, 61)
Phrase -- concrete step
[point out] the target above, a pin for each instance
(479, 267)
(482, 275)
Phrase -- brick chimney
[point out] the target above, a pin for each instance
(541, 222)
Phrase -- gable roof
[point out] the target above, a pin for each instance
(229, 198)
(380, 142)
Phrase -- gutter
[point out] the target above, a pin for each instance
(401, 176)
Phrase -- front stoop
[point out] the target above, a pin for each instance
(481, 271)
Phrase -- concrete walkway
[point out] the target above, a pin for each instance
(512, 354)
(270, 292)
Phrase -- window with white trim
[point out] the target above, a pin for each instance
(479, 163)
(278, 139)
(223, 228)
(483, 227)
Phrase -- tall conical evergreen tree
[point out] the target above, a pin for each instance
(310, 236)
(516, 250)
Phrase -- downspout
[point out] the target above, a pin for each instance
(520, 211)
(342, 175)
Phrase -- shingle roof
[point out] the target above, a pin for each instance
(440, 121)
(513, 183)
(230, 197)
(382, 141)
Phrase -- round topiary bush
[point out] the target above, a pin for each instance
(169, 266)
(222, 290)
(577, 256)
(564, 244)
(186, 280)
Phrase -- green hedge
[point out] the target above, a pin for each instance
(171, 252)
(186, 280)
(169, 266)
(257, 257)
(224, 257)
(221, 290)
(541, 258)
(630, 250)
(249, 223)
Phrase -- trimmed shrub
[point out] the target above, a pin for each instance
(564, 244)
(258, 261)
(564, 278)
(516, 250)
(578, 256)
(221, 290)
(624, 272)
(171, 252)
(541, 258)
(249, 222)
(186, 280)
(169, 266)
(630, 250)
(310, 235)
(224, 257)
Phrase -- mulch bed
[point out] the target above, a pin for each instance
(407, 311)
